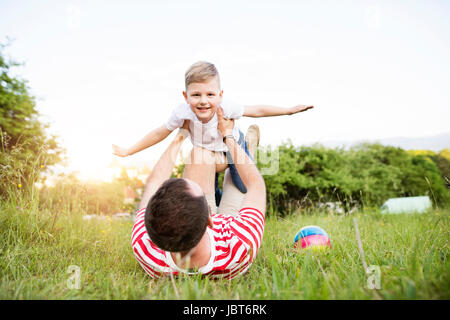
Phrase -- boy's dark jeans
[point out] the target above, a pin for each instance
(233, 171)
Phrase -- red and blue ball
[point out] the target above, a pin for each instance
(312, 237)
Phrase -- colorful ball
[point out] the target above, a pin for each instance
(312, 237)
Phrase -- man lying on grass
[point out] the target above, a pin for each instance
(174, 232)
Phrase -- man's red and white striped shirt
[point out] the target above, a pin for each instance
(234, 240)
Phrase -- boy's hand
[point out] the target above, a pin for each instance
(121, 152)
(225, 126)
(299, 108)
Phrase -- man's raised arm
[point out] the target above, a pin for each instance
(164, 167)
(253, 181)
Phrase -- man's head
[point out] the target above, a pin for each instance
(203, 91)
(177, 215)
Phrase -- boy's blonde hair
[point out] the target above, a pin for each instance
(200, 72)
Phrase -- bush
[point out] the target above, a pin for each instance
(26, 150)
(364, 175)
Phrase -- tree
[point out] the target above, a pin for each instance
(26, 149)
(364, 175)
(443, 162)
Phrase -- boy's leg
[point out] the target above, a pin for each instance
(217, 191)
(233, 171)
(232, 197)
(237, 181)
(252, 139)
(221, 165)
(234, 176)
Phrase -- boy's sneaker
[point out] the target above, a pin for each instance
(252, 139)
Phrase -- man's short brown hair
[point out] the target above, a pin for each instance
(200, 72)
(175, 219)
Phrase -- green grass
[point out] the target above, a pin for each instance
(37, 246)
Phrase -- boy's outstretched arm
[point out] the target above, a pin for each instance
(152, 138)
(258, 111)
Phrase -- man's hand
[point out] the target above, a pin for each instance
(299, 108)
(184, 130)
(225, 126)
(121, 152)
(186, 124)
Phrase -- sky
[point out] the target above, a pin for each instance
(107, 72)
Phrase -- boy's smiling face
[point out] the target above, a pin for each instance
(204, 98)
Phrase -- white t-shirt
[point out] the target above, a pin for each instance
(206, 135)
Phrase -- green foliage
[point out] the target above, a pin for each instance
(26, 149)
(68, 194)
(442, 160)
(364, 175)
(178, 171)
(134, 184)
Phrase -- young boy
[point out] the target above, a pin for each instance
(203, 95)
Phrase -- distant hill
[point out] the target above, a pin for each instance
(434, 143)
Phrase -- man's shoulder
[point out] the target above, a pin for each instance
(140, 213)
(243, 212)
(253, 210)
(218, 217)
(250, 215)
(251, 219)
(139, 230)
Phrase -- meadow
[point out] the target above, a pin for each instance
(38, 246)
(43, 236)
